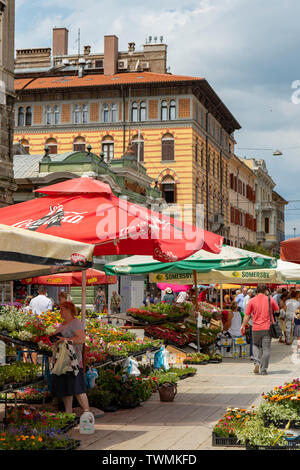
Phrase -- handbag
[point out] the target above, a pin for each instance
(275, 329)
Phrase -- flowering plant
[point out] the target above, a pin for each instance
(289, 392)
(233, 419)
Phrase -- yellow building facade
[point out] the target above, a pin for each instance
(177, 126)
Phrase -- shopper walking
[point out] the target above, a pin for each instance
(297, 329)
(260, 308)
(282, 314)
(115, 302)
(100, 300)
(292, 305)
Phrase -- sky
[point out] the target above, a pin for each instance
(248, 50)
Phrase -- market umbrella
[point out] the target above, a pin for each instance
(187, 271)
(86, 210)
(175, 287)
(24, 253)
(93, 277)
(228, 259)
(290, 250)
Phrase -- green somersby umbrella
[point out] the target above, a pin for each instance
(231, 263)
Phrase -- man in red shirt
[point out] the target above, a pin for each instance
(258, 308)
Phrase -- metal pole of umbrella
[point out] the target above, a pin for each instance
(12, 292)
(221, 295)
(199, 320)
(83, 297)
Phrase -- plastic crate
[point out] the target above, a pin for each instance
(291, 446)
(225, 441)
(294, 424)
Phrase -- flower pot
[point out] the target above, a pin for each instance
(167, 391)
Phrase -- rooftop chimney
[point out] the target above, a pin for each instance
(111, 50)
(60, 41)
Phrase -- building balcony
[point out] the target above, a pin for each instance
(266, 206)
(260, 237)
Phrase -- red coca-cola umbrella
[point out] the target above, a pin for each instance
(93, 278)
(86, 210)
(290, 250)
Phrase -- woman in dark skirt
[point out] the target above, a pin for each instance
(297, 329)
(65, 386)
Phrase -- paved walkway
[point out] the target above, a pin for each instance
(186, 423)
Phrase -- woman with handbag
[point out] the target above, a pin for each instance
(262, 309)
(67, 383)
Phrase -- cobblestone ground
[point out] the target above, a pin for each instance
(186, 423)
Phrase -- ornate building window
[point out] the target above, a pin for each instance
(167, 148)
(52, 144)
(21, 117)
(143, 111)
(56, 113)
(79, 144)
(134, 112)
(81, 114)
(172, 110)
(168, 189)
(164, 111)
(113, 112)
(108, 148)
(25, 144)
(105, 112)
(137, 143)
(28, 116)
(49, 115)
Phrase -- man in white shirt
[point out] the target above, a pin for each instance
(41, 303)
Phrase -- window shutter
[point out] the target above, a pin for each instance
(231, 181)
(167, 150)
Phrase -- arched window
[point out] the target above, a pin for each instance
(84, 114)
(167, 147)
(168, 189)
(52, 144)
(21, 119)
(138, 147)
(105, 112)
(77, 114)
(143, 111)
(113, 112)
(164, 111)
(28, 116)
(49, 115)
(56, 115)
(79, 144)
(25, 145)
(134, 112)
(108, 148)
(172, 110)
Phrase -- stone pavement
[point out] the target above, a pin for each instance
(186, 423)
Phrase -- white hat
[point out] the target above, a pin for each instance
(168, 290)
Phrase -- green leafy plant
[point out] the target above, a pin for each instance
(255, 433)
